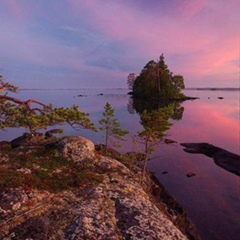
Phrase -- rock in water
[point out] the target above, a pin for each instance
(191, 174)
(223, 158)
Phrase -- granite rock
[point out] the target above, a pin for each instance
(121, 206)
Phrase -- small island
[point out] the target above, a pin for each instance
(157, 82)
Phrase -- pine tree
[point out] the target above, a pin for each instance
(111, 126)
(155, 124)
(35, 115)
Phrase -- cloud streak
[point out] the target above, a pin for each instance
(199, 38)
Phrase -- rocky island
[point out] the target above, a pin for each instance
(68, 190)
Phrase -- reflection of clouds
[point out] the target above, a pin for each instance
(206, 120)
(223, 158)
(234, 114)
(213, 188)
(203, 122)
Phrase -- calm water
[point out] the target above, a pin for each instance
(212, 197)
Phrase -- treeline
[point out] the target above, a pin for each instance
(156, 81)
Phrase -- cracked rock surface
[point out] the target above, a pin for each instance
(118, 207)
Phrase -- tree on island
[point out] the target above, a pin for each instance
(35, 115)
(130, 80)
(111, 126)
(157, 81)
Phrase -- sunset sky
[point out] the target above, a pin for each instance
(97, 43)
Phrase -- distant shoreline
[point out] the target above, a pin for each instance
(214, 89)
(70, 89)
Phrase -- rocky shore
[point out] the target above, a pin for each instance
(71, 191)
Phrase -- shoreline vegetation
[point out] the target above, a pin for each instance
(50, 186)
(45, 187)
(70, 170)
(164, 99)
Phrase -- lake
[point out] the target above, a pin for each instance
(212, 197)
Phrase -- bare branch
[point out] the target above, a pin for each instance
(15, 100)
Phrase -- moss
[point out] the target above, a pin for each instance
(111, 153)
(10, 178)
(43, 158)
(49, 171)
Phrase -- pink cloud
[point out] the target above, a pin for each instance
(191, 8)
(202, 33)
(202, 27)
(14, 8)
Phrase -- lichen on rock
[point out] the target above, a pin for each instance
(77, 149)
(120, 209)
(117, 207)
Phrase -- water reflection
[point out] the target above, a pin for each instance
(155, 118)
(138, 105)
(212, 197)
(223, 158)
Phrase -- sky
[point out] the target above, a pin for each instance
(97, 43)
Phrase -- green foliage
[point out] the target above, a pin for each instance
(111, 126)
(35, 115)
(156, 81)
(178, 82)
(48, 171)
(5, 86)
(155, 124)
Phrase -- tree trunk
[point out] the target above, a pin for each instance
(106, 140)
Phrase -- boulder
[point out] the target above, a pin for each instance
(27, 139)
(49, 133)
(190, 174)
(77, 148)
(169, 141)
